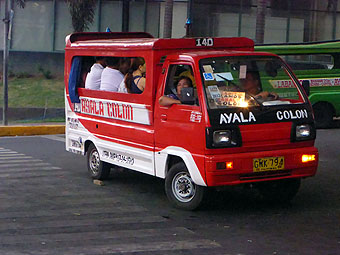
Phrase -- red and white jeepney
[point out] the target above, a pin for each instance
(221, 134)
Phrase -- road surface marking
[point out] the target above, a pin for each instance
(54, 138)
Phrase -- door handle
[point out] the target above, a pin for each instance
(164, 117)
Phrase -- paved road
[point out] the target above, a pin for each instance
(48, 205)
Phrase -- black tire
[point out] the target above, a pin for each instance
(281, 191)
(323, 113)
(98, 169)
(181, 191)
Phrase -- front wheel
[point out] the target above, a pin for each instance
(98, 169)
(180, 189)
(280, 191)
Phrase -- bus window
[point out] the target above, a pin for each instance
(309, 61)
(112, 74)
(134, 80)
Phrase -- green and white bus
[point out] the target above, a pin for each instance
(319, 64)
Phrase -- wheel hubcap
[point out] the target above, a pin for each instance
(182, 187)
(94, 162)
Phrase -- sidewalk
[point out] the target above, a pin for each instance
(50, 128)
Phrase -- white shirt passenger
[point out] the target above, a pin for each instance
(122, 87)
(94, 76)
(111, 79)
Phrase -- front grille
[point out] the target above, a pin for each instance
(263, 175)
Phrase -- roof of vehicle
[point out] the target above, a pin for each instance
(139, 40)
(302, 48)
(220, 53)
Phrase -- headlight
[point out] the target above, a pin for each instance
(303, 131)
(222, 137)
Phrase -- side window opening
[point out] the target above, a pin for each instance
(112, 74)
(74, 79)
(179, 77)
(87, 63)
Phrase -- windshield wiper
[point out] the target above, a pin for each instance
(229, 81)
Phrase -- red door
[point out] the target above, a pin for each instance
(179, 128)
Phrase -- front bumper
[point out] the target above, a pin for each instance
(242, 171)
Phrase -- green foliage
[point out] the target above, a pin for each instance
(23, 75)
(82, 13)
(34, 92)
(46, 73)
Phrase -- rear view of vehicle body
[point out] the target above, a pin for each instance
(225, 131)
(319, 64)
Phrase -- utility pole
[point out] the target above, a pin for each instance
(126, 10)
(260, 20)
(6, 21)
(168, 18)
(188, 23)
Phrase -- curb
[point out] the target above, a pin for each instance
(32, 130)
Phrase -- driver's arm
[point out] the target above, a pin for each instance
(167, 101)
(265, 94)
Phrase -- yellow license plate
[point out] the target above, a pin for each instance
(268, 164)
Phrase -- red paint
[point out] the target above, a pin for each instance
(181, 126)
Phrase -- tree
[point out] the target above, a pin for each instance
(82, 13)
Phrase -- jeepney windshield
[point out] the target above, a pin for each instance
(248, 81)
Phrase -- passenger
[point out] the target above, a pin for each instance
(134, 82)
(183, 82)
(251, 84)
(111, 76)
(93, 78)
(124, 65)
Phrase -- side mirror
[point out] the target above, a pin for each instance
(187, 96)
(306, 86)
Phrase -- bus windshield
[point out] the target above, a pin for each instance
(248, 81)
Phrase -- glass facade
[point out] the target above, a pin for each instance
(285, 20)
(43, 24)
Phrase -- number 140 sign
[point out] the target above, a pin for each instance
(204, 42)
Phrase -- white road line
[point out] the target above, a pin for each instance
(23, 169)
(28, 174)
(12, 155)
(20, 161)
(11, 161)
(54, 137)
(20, 157)
(20, 165)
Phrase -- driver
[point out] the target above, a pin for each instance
(183, 82)
(251, 84)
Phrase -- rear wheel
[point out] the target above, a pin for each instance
(323, 115)
(98, 169)
(180, 189)
(281, 191)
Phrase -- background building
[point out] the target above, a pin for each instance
(39, 30)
